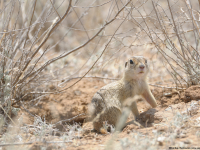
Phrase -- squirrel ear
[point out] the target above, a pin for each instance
(126, 64)
(131, 62)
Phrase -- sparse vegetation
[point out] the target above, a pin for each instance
(47, 47)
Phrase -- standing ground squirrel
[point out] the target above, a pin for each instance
(107, 103)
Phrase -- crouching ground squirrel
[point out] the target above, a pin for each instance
(106, 105)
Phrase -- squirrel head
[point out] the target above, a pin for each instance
(136, 68)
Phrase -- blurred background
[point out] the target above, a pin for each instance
(48, 46)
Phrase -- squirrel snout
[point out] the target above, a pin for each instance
(141, 66)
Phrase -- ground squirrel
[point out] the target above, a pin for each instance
(106, 105)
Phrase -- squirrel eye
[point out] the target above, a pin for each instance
(145, 61)
(131, 62)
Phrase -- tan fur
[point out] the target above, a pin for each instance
(107, 103)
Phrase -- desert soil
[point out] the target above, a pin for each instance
(160, 120)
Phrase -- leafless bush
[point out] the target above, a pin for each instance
(173, 28)
(31, 40)
(185, 30)
(46, 43)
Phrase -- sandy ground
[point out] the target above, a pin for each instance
(160, 120)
